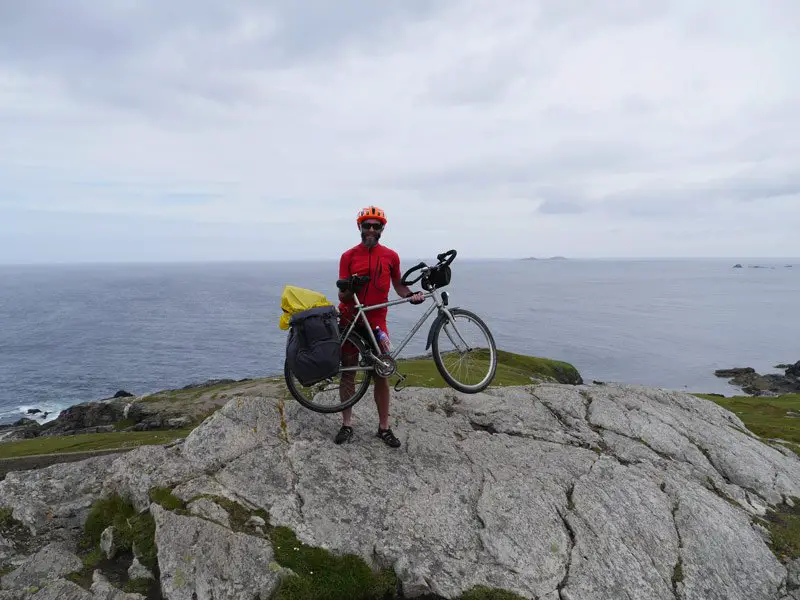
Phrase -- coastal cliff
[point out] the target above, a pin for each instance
(545, 490)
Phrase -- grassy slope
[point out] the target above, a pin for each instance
(772, 418)
(88, 441)
(512, 369)
(769, 418)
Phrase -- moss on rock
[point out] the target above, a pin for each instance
(163, 496)
(480, 592)
(134, 535)
(783, 523)
(320, 575)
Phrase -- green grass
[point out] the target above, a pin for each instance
(192, 393)
(321, 575)
(165, 498)
(766, 417)
(89, 441)
(134, 533)
(6, 520)
(770, 418)
(512, 369)
(130, 529)
(784, 527)
(324, 576)
(138, 586)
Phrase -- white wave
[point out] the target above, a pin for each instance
(52, 409)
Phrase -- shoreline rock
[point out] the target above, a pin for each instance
(771, 384)
(121, 412)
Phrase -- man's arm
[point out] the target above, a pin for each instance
(344, 273)
(403, 290)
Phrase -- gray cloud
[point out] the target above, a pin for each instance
(561, 207)
(703, 197)
(151, 55)
(630, 124)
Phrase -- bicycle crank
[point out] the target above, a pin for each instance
(385, 366)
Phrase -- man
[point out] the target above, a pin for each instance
(383, 267)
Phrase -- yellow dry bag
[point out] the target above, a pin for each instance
(296, 299)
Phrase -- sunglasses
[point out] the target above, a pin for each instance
(375, 226)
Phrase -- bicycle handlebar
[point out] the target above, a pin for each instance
(445, 258)
(354, 282)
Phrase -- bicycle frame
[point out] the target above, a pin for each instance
(362, 316)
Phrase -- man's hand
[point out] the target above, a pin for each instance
(416, 298)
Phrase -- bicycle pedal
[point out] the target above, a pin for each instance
(402, 378)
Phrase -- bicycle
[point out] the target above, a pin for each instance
(328, 396)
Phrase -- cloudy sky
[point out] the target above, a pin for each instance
(200, 130)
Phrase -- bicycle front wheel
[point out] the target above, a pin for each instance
(464, 351)
(341, 391)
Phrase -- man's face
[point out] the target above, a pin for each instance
(371, 232)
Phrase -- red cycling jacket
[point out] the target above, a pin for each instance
(382, 264)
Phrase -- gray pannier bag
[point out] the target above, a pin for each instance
(313, 348)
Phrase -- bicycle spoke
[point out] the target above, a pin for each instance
(447, 332)
(466, 351)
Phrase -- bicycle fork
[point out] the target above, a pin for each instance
(451, 321)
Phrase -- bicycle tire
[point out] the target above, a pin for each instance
(362, 388)
(438, 359)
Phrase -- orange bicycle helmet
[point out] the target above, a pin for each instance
(371, 212)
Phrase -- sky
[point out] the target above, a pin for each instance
(195, 130)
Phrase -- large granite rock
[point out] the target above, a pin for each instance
(50, 563)
(549, 491)
(201, 559)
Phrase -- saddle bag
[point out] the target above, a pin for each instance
(313, 348)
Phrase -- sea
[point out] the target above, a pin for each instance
(75, 333)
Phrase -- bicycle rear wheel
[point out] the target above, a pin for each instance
(464, 351)
(340, 392)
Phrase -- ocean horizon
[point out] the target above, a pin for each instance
(77, 332)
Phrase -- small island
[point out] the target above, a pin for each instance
(551, 258)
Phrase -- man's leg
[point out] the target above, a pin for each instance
(382, 396)
(382, 401)
(347, 388)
